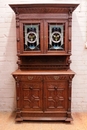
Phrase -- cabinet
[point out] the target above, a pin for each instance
(43, 95)
(49, 35)
(43, 78)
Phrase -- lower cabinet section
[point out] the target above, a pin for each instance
(43, 97)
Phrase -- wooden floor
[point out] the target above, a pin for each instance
(7, 122)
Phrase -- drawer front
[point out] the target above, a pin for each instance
(30, 78)
(56, 77)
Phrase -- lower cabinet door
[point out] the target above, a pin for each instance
(31, 97)
(56, 96)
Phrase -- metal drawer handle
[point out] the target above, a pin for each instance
(30, 77)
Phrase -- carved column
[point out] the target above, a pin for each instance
(70, 29)
(18, 110)
(17, 33)
(69, 98)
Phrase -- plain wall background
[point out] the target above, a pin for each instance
(8, 52)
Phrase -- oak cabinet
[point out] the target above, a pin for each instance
(43, 78)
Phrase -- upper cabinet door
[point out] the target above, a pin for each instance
(56, 37)
(31, 37)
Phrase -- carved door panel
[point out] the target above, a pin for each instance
(31, 96)
(56, 96)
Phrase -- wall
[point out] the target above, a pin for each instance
(8, 54)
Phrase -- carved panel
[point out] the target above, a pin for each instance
(32, 96)
(56, 95)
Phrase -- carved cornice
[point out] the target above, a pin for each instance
(43, 8)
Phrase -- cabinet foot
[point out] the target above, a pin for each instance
(68, 120)
(19, 119)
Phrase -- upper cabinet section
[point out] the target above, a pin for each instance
(43, 29)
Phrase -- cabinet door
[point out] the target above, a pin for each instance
(31, 37)
(56, 96)
(56, 36)
(31, 97)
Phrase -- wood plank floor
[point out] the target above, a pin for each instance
(7, 122)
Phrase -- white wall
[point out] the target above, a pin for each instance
(8, 54)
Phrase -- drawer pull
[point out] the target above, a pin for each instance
(56, 77)
(30, 77)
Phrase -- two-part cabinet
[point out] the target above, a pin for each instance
(43, 78)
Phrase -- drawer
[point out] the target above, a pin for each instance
(56, 77)
(30, 78)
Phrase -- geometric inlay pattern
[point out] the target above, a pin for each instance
(55, 96)
(32, 95)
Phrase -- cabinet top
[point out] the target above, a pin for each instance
(43, 8)
(43, 72)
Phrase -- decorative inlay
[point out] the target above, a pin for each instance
(30, 77)
(56, 77)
